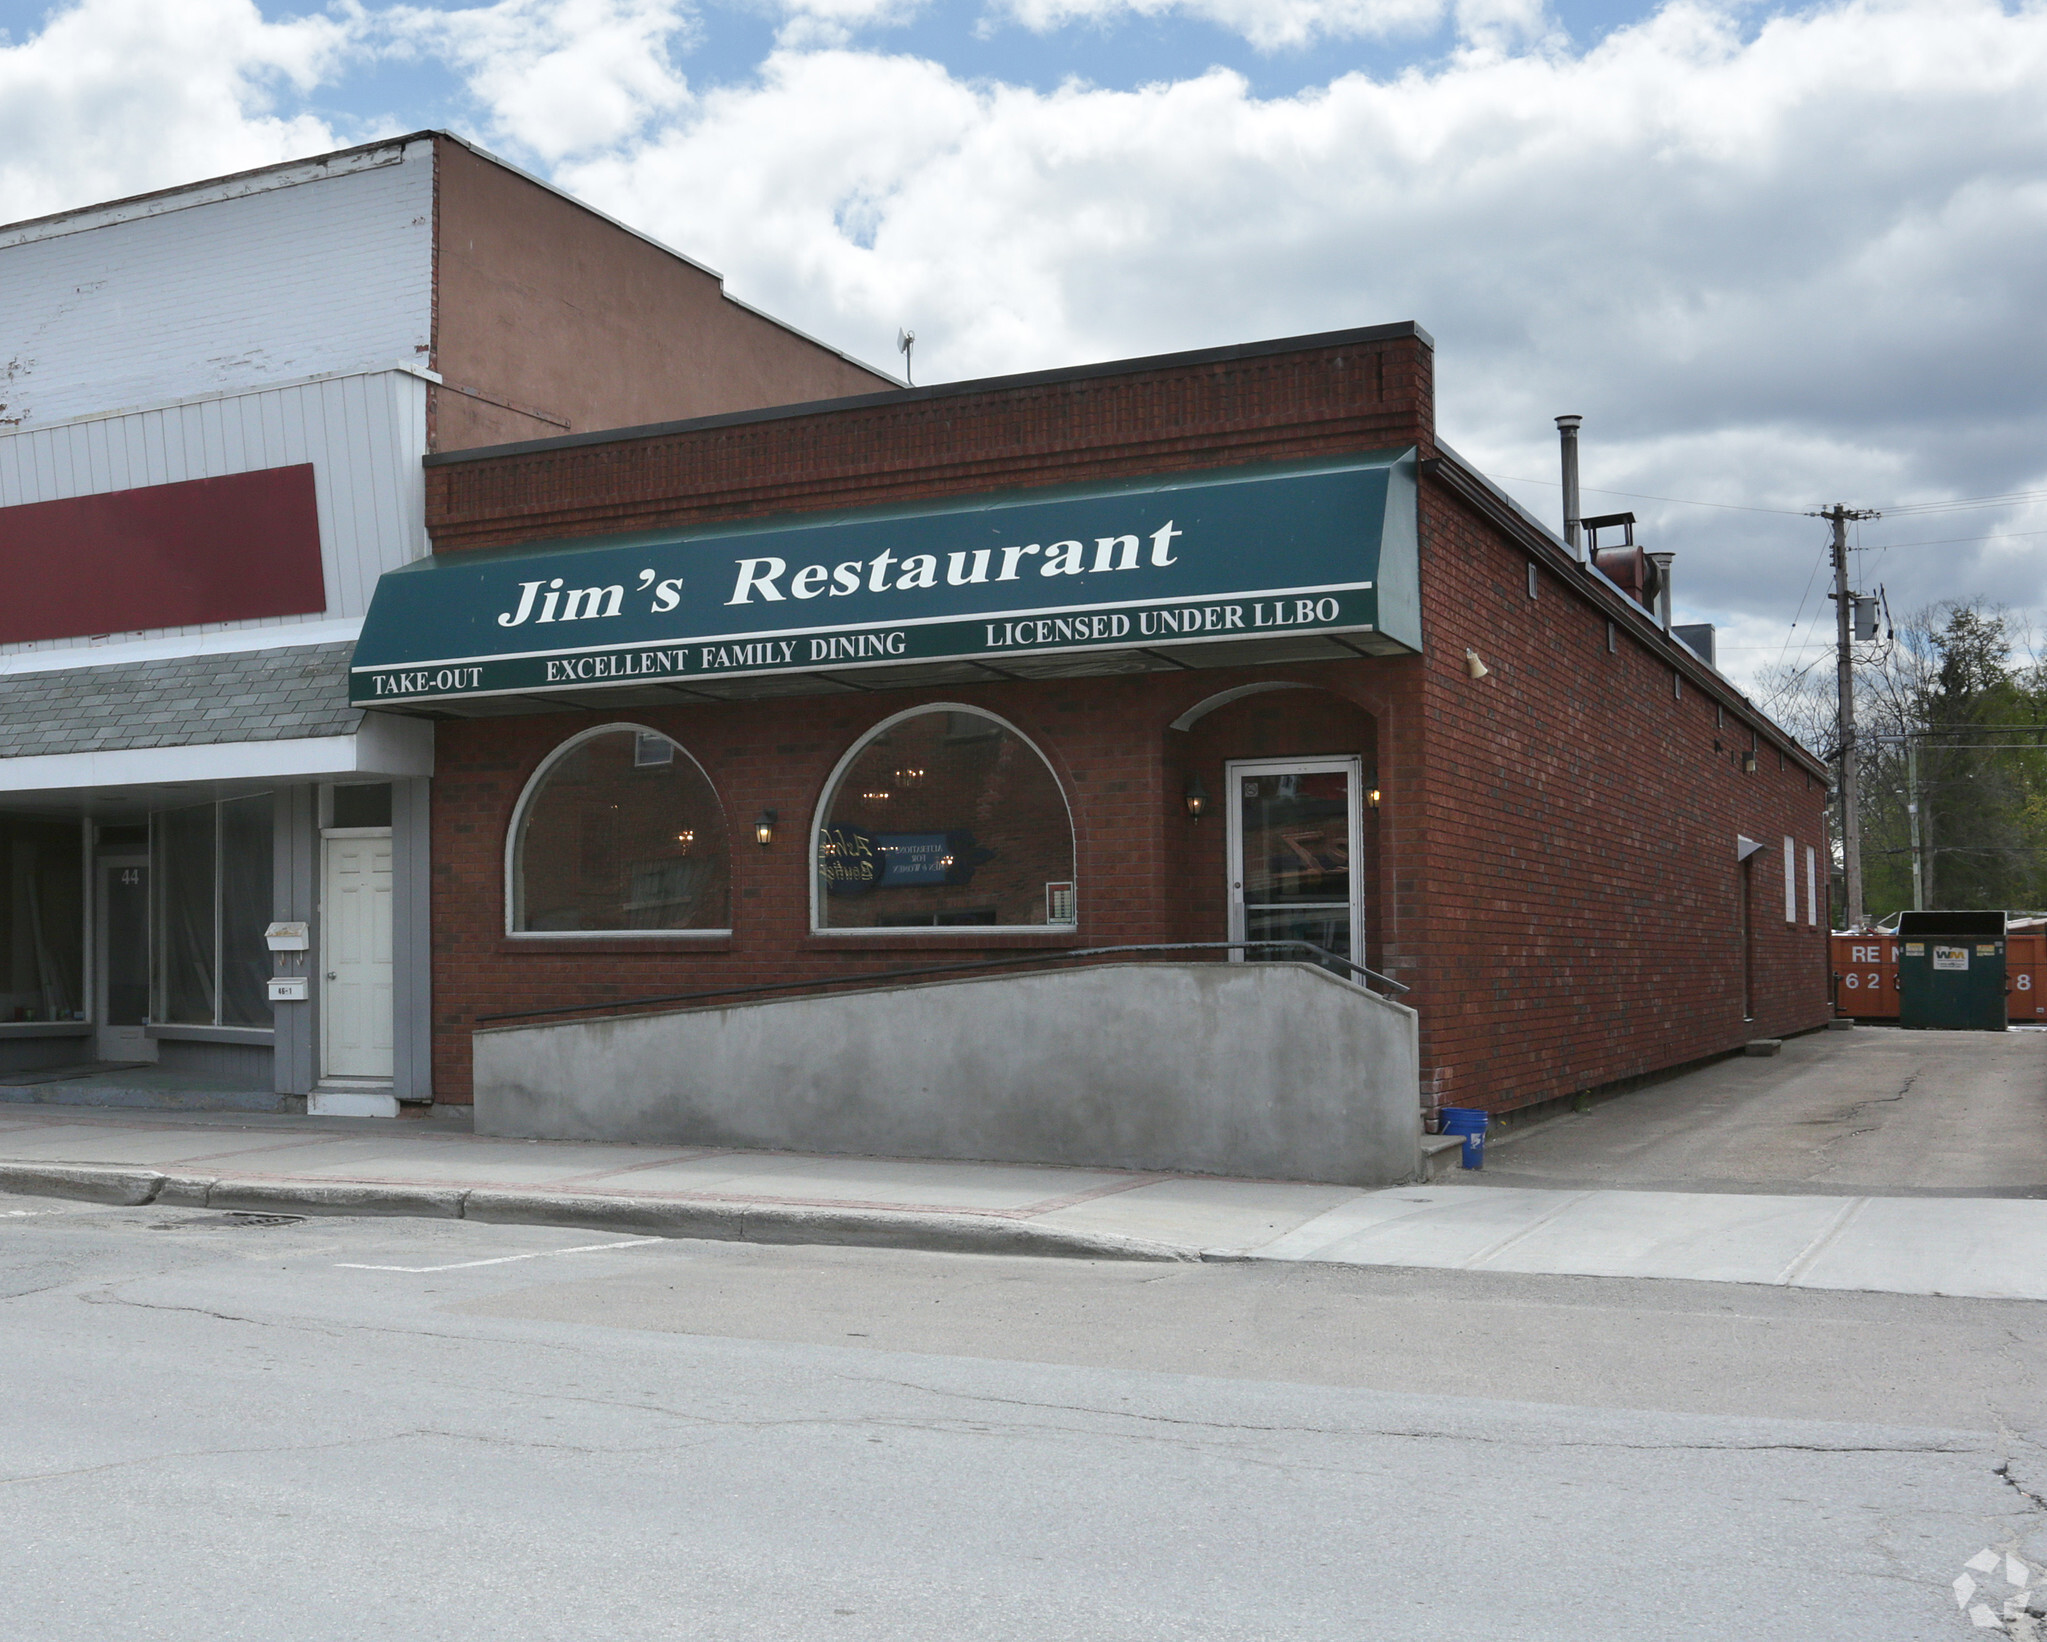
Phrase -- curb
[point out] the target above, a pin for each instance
(651, 1216)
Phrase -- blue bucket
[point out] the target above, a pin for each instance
(1470, 1122)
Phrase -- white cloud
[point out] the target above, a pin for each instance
(117, 97)
(558, 77)
(1771, 268)
(1267, 24)
(1775, 263)
(1274, 25)
(815, 24)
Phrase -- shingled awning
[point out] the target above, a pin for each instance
(183, 701)
(221, 721)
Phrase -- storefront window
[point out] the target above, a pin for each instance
(246, 907)
(214, 898)
(945, 817)
(184, 915)
(42, 920)
(620, 833)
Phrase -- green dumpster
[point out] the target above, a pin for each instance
(1951, 971)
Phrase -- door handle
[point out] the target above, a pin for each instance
(332, 976)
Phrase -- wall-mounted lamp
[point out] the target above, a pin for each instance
(1197, 797)
(764, 829)
(1748, 763)
(1372, 797)
(1475, 667)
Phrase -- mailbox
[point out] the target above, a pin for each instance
(1951, 971)
(287, 937)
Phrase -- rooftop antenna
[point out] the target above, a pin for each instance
(905, 341)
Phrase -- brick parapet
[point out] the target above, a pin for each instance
(882, 449)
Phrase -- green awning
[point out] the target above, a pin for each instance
(1283, 563)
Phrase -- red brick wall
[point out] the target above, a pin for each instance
(1578, 893)
(1552, 863)
(1145, 871)
(550, 319)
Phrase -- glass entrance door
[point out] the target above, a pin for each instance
(124, 961)
(1294, 829)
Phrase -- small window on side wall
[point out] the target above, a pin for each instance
(610, 839)
(944, 818)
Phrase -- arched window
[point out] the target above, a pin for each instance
(618, 833)
(944, 816)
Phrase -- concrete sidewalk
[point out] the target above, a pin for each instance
(1967, 1246)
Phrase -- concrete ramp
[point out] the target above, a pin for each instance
(1280, 1071)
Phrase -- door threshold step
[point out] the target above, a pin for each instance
(361, 1101)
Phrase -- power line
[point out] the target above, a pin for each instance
(1956, 729)
(1952, 541)
(1961, 503)
(1643, 496)
(1956, 505)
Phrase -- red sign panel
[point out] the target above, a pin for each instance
(178, 555)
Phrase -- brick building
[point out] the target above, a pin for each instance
(1213, 647)
(214, 401)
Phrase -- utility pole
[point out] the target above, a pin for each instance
(1912, 810)
(1844, 677)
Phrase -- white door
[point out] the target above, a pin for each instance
(355, 942)
(123, 967)
(1294, 826)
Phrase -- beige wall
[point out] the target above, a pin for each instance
(556, 321)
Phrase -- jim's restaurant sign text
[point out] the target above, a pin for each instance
(1253, 553)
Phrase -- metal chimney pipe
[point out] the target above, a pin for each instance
(1662, 563)
(1567, 435)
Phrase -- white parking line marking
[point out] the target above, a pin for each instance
(501, 1260)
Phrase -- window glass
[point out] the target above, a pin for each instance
(246, 908)
(183, 851)
(945, 818)
(616, 837)
(42, 931)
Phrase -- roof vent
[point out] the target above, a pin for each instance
(1623, 563)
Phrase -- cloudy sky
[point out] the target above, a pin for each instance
(1776, 256)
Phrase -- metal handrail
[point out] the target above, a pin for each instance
(1024, 957)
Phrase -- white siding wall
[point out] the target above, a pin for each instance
(364, 435)
(297, 273)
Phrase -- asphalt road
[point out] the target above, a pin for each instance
(1877, 1110)
(219, 1430)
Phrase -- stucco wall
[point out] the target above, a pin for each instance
(1272, 1070)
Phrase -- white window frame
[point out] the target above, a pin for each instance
(1812, 883)
(935, 931)
(1790, 880)
(536, 780)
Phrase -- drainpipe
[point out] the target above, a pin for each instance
(1567, 435)
(1662, 563)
